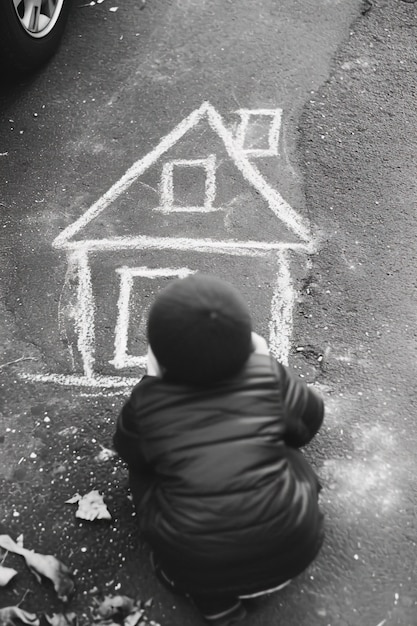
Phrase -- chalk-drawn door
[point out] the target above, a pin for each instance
(138, 286)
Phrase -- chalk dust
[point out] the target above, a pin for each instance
(370, 475)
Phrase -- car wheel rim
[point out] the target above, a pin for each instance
(38, 17)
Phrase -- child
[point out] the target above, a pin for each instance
(225, 499)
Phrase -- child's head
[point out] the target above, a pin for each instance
(199, 329)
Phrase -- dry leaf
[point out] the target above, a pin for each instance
(49, 566)
(68, 432)
(115, 605)
(7, 543)
(119, 608)
(6, 574)
(105, 454)
(74, 499)
(134, 618)
(61, 619)
(91, 506)
(12, 616)
(43, 565)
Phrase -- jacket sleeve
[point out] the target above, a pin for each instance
(126, 439)
(303, 408)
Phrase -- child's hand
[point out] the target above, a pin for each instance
(153, 367)
(259, 344)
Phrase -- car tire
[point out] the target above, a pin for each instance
(29, 37)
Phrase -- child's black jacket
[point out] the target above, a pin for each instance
(224, 497)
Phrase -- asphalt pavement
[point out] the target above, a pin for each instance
(274, 146)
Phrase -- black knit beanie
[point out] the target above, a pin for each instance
(199, 329)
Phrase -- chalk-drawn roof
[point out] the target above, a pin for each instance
(291, 220)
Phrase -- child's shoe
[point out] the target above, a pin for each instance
(161, 576)
(234, 614)
(223, 611)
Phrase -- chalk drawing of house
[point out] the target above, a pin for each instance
(196, 202)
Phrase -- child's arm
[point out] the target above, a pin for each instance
(153, 368)
(304, 409)
(126, 440)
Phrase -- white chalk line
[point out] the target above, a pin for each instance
(167, 190)
(143, 242)
(283, 298)
(155, 272)
(72, 271)
(280, 326)
(73, 380)
(273, 135)
(122, 359)
(107, 392)
(278, 205)
(187, 209)
(129, 177)
(85, 316)
(122, 324)
(282, 306)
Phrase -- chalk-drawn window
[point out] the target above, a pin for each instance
(188, 185)
(131, 279)
(258, 131)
